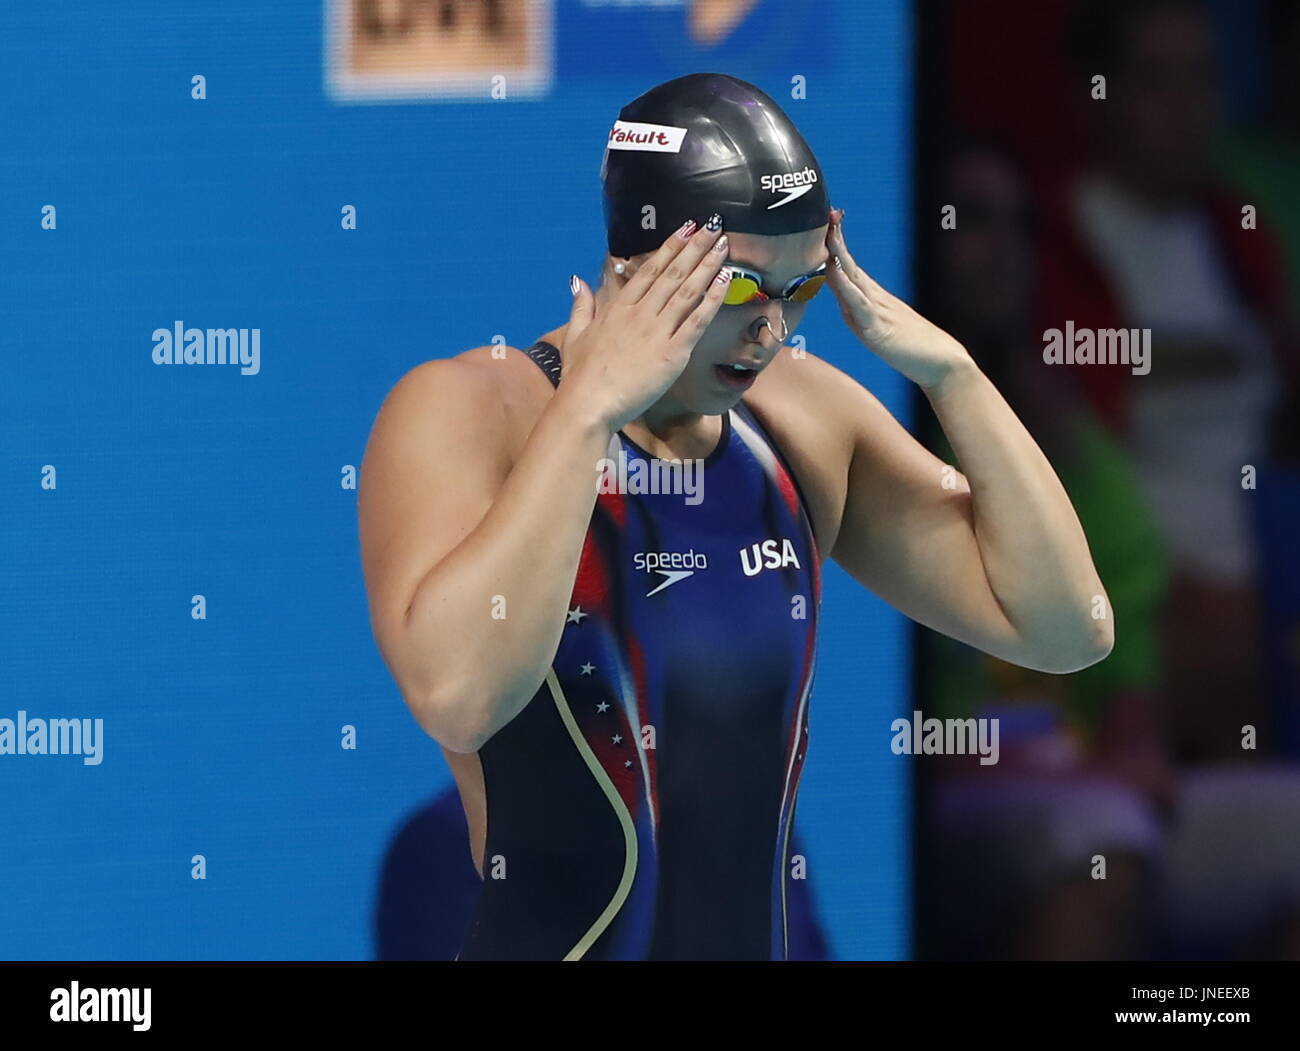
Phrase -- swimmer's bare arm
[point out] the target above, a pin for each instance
(450, 536)
(451, 531)
(994, 557)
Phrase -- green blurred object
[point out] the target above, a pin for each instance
(1130, 557)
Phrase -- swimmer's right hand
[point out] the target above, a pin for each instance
(623, 361)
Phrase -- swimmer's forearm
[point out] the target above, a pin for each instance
(488, 618)
(1034, 550)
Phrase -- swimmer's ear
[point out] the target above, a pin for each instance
(584, 307)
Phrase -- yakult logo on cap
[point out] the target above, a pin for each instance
(792, 184)
(653, 138)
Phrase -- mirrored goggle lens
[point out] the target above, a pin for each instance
(746, 289)
(808, 289)
(742, 290)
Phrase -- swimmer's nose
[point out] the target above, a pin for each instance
(774, 340)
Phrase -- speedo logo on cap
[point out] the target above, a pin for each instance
(652, 138)
(793, 184)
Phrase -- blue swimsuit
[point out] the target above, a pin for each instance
(640, 805)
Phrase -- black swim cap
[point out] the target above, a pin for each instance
(701, 144)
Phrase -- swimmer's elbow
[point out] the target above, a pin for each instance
(1099, 642)
(433, 691)
(1092, 645)
(447, 716)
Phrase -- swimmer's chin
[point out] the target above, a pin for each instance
(718, 404)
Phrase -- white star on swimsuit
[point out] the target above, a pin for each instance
(576, 615)
(588, 668)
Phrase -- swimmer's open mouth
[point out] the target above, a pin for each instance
(737, 374)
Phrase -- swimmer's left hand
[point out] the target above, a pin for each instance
(893, 331)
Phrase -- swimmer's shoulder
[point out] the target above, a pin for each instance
(490, 395)
(808, 406)
(480, 373)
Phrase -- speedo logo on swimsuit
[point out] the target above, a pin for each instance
(651, 138)
(758, 557)
(793, 184)
(674, 565)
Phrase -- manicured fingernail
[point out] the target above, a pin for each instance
(723, 276)
(838, 264)
(573, 284)
(720, 245)
(714, 223)
(686, 229)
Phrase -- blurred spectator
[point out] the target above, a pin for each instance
(429, 887)
(1199, 863)
(1264, 160)
(1145, 237)
(1081, 770)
